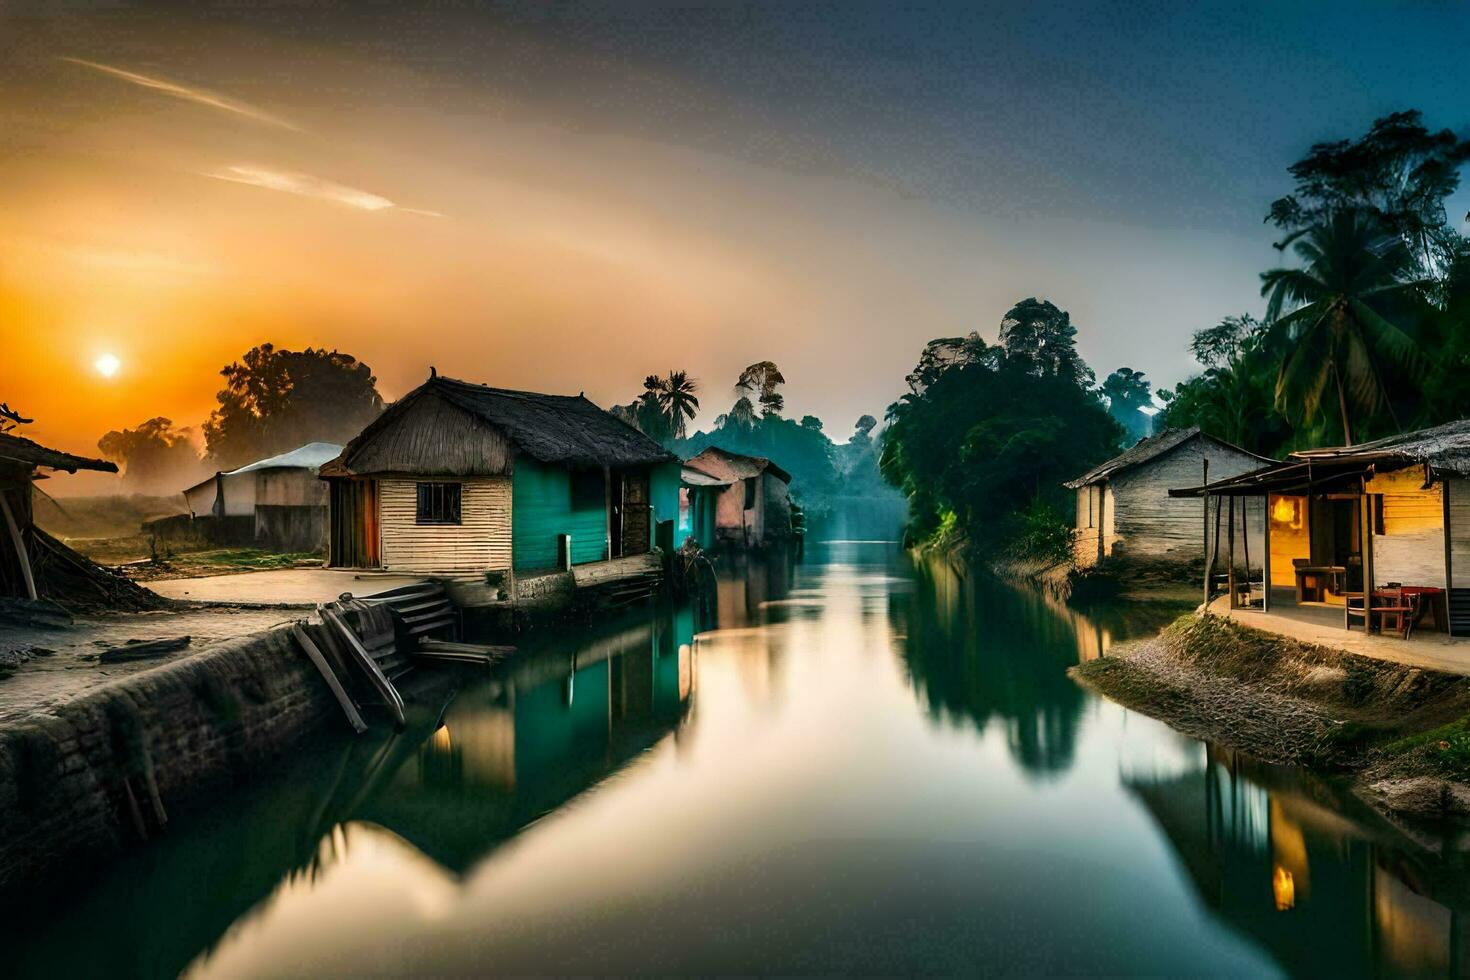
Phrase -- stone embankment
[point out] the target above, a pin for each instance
(1401, 733)
(99, 773)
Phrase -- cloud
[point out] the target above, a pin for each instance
(306, 185)
(191, 94)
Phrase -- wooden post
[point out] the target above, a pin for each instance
(607, 510)
(1245, 538)
(1266, 558)
(1204, 482)
(1230, 555)
(20, 548)
(1367, 546)
(1449, 564)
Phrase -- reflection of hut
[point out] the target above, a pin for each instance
(1124, 510)
(20, 540)
(275, 503)
(508, 755)
(1305, 881)
(755, 509)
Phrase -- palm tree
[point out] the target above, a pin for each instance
(676, 396)
(1336, 334)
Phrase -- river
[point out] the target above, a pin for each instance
(844, 762)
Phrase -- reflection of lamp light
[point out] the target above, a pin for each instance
(442, 742)
(1283, 886)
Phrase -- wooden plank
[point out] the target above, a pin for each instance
(20, 548)
(366, 663)
(480, 542)
(354, 717)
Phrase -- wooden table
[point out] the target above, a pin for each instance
(1324, 578)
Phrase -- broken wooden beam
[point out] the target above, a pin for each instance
(349, 708)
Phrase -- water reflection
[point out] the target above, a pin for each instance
(838, 763)
(978, 649)
(1327, 886)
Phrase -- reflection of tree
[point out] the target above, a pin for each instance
(977, 649)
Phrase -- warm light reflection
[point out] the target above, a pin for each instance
(1283, 886)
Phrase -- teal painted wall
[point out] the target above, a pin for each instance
(541, 508)
(699, 523)
(664, 481)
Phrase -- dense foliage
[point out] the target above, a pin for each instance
(275, 400)
(1367, 333)
(987, 434)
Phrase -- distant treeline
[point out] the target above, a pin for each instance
(820, 469)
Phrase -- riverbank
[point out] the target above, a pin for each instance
(1401, 734)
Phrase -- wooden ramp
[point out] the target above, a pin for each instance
(364, 647)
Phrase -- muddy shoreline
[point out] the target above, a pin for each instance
(1398, 735)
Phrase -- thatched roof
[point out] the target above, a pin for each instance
(735, 466)
(1147, 449)
(15, 450)
(457, 428)
(1445, 448)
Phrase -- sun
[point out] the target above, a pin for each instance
(107, 365)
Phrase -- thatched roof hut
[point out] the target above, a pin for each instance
(446, 427)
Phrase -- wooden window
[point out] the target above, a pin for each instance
(589, 492)
(438, 503)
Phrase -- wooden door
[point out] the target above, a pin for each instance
(354, 524)
(636, 514)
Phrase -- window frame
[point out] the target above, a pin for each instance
(446, 511)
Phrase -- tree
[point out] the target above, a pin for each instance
(1398, 173)
(1036, 334)
(985, 448)
(762, 379)
(1339, 325)
(646, 413)
(1235, 397)
(154, 456)
(864, 427)
(986, 435)
(1127, 391)
(943, 353)
(811, 422)
(677, 398)
(275, 400)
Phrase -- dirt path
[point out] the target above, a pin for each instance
(47, 679)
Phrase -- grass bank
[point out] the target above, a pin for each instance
(1401, 734)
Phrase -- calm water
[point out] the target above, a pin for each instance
(845, 763)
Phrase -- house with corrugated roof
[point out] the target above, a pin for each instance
(275, 503)
(1125, 513)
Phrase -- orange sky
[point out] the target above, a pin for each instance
(174, 194)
